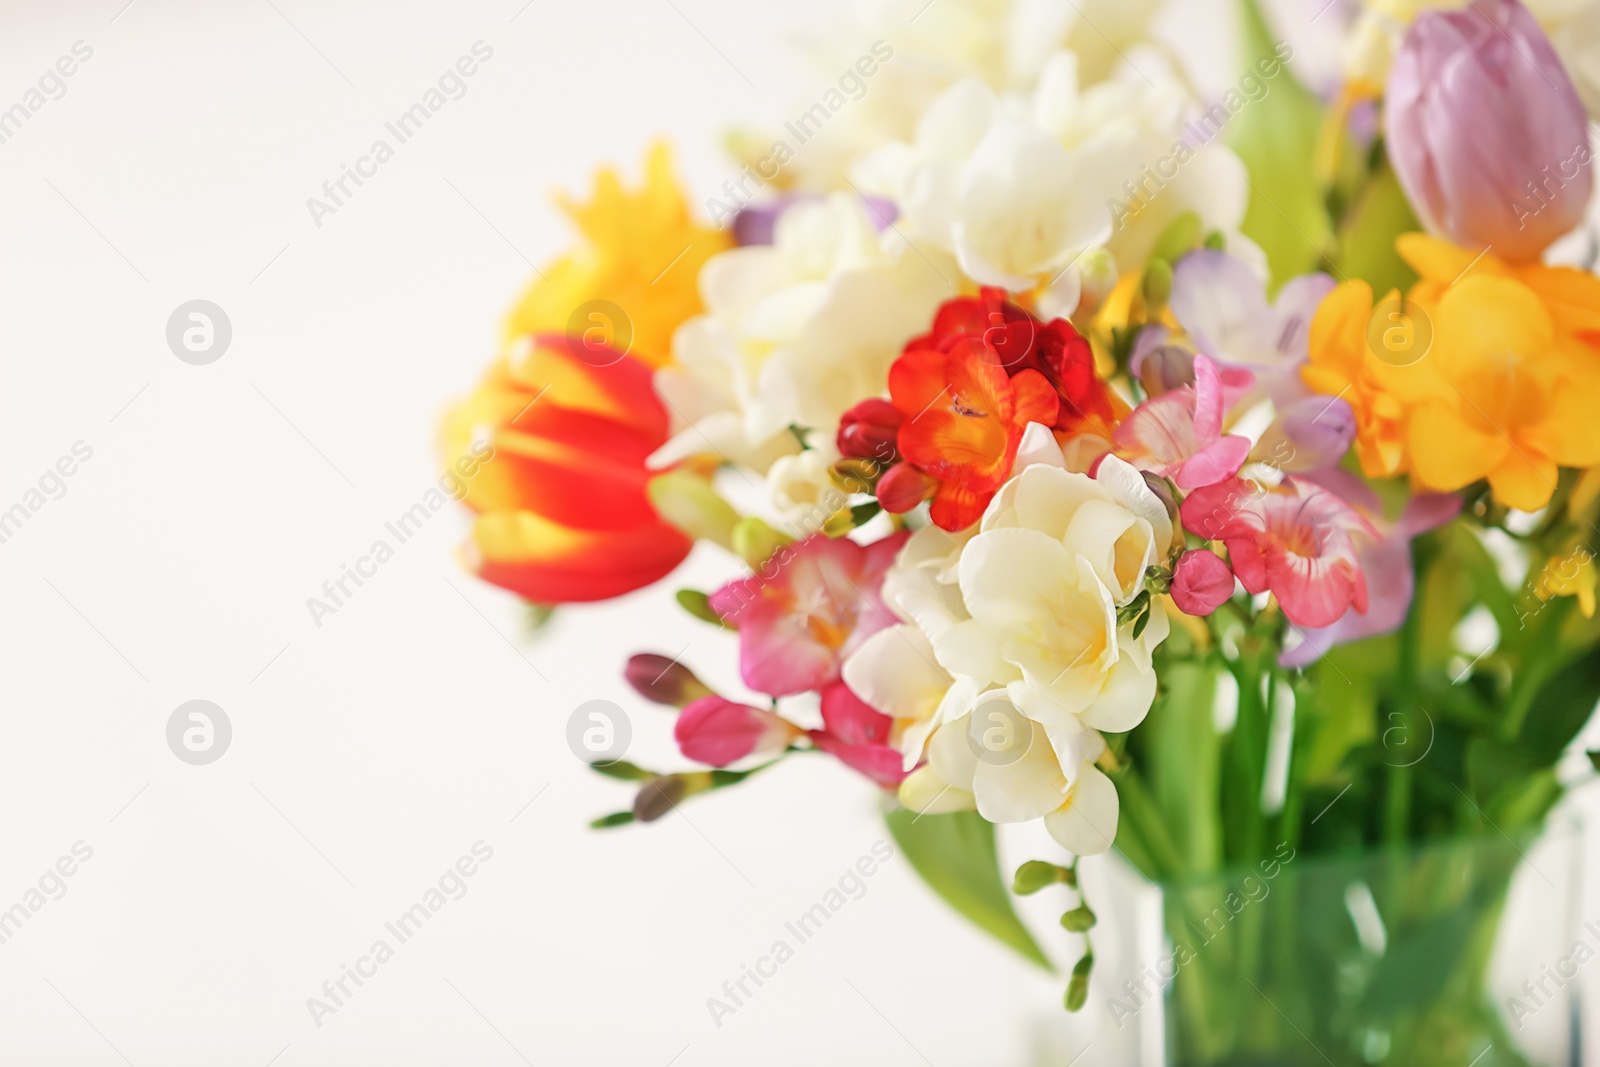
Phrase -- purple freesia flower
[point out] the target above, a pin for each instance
(1485, 130)
(1221, 302)
(1385, 563)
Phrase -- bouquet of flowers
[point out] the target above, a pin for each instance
(1214, 480)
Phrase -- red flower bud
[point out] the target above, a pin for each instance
(903, 487)
(869, 430)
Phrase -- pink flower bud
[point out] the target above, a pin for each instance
(869, 431)
(719, 732)
(1201, 582)
(1485, 130)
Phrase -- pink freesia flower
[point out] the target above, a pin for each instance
(858, 735)
(1178, 434)
(813, 603)
(1201, 581)
(1385, 562)
(1297, 541)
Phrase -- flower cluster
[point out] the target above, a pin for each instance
(990, 454)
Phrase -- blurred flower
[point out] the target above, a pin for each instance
(563, 510)
(1296, 541)
(718, 732)
(1178, 434)
(794, 334)
(1485, 130)
(1221, 302)
(1573, 575)
(1019, 188)
(641, 251)
(1310, 434)
(811, 605)
(1505, 391)
(1201, 582)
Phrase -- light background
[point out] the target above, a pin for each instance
(372, 752)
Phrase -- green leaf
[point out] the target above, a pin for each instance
(1366, 242)
(616, 818)
(623, 771)
(1594, 758)
(955, 855)
(1276, 137)
(698, 604)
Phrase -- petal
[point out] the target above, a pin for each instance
(1450, 451)
(1219, 460)
(1524, 480)
(925, 792)
(894, 671)
(1086, 825)
(1124, 700)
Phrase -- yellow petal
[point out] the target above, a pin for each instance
(1450, 450)
(1524, 480)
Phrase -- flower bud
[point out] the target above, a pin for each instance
(1486, 132)
(1201, 582)
(663, 680)
(903, 487)
(1165, 368)
(755, 542)
(870, 430)
(687, 501)
(718, 732)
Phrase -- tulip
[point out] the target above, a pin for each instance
(1485, 130)
(564, 512)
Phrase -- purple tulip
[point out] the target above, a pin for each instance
(1486, 132)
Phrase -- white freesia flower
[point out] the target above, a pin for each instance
(1012, 659)
(1002, 43)
(1019, 188)
(795, 333)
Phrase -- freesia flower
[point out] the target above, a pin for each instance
(1221, 303)
(1506, 391)
(1385, 562)
(718, 732)
(963, 420)
(1486, 132)
(811, 605)
(562, 508)
(1007, 766)
(641, 251)
(859, 736)
(1178, 434)
(1201, 582)
(1019, 188)
(1297, 541)
(795, 333)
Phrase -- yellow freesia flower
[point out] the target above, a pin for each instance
(1487, 370)
(641, 251)
(1570, 575)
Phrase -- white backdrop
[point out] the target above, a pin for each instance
(415, 726)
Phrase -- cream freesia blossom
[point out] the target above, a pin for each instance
(1012, 659)
(795, 333)
(1003, 43)
(1019, 187)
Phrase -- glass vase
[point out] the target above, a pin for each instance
(1448, 954)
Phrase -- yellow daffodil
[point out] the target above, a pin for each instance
(641, 252)
(1487, 370)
